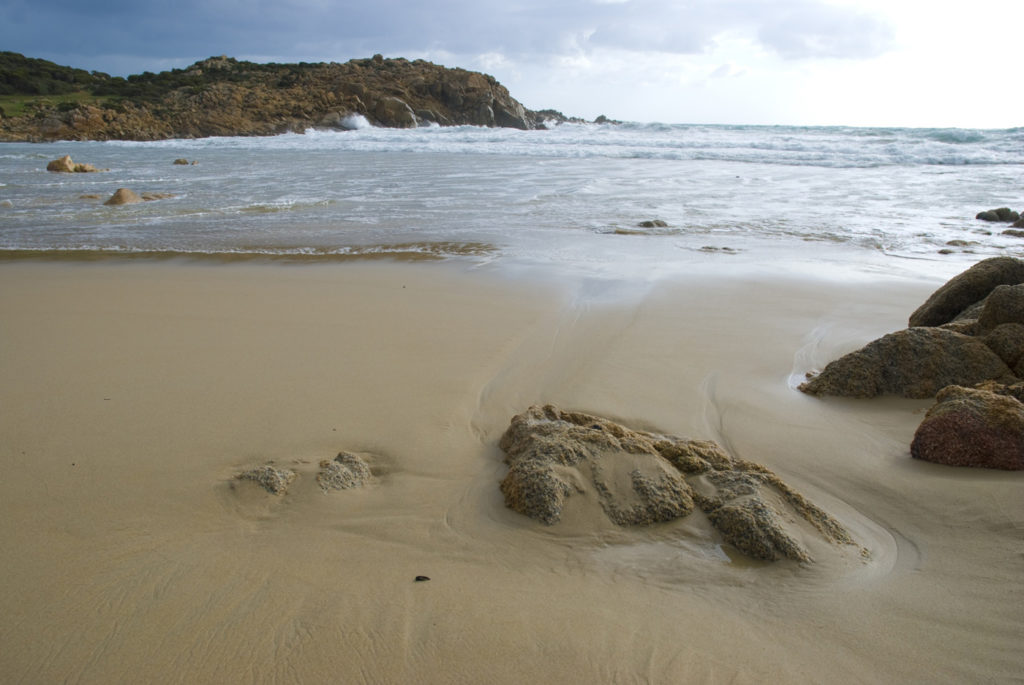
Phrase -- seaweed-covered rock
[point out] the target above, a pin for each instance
(972, 427)
(915, 362)
(270, 478)
(642, 478)
(344, 472)
(966, 289)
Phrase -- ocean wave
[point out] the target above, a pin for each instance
(835, 147)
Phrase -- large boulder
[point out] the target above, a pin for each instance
(1005, 304)
(636, 477)
(966, 289)
(972, 427)
(915, 362)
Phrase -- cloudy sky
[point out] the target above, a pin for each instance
(850, 62)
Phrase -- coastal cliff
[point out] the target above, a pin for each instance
(222, 96)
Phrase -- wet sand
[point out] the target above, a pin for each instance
(133, 393)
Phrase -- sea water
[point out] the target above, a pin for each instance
(570, 197)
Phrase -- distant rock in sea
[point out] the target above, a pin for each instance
(1000, 214)
(65, 165)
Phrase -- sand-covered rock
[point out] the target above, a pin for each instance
(270, 478)
(972, 427)
(915, 362)
(344, 472)
(641, 478)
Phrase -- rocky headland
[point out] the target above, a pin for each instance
(222, 96)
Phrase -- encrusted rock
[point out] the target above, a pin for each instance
(972, 427)
(1007, 341)
(344, 472)
(270, 478)
(653, 223)
(1005, 304)
(915, 362)
(966, 289)
(642, 478)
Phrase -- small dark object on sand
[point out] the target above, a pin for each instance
(420, 579)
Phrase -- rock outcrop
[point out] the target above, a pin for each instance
(969, 331)
(980, 427)
(642, 478)
(224, 96)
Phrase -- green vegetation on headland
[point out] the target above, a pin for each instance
(41, 101)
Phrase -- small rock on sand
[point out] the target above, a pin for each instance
(344, 472)
(270, 478)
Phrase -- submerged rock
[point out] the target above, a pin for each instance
(653, 223)
(344, 472)
(641, 478)
(124, 196)
(973, 427)
(272, 479)
(915, 362)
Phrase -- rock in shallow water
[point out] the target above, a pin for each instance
(641, 478)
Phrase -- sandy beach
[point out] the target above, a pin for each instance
(133, 392)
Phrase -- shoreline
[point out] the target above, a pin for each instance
(137, 390)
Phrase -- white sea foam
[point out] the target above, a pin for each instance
(572, 195)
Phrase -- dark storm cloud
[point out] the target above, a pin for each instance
(521, 30)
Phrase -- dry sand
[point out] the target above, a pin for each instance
(133, 393)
